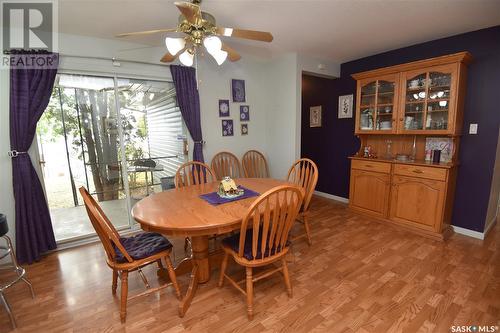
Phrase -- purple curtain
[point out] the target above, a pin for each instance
(189, 103)
(30, 91)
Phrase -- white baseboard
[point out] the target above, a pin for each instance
(475, 234)
(331, 196)
(468, 232)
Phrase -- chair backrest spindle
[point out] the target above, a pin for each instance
(270, 217)
(193, 173)
(226, 164)
(255, 165)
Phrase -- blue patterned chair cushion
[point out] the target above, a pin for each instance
(233, 242)
(142, 246)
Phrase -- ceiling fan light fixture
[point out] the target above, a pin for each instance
(213, 44)
(174, 45)
(220, 56)
(187, 58)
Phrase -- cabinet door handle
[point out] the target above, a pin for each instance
(400, 119)
(368, 166)
(418, 171)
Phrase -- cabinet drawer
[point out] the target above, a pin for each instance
(420, 171)
(371, 166)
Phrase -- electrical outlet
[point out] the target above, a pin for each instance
(473, 129)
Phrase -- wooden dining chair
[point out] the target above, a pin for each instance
(255, 165)
(263, 239)
(304, 173)
(226, 164)
(127, 254)
(193, 173)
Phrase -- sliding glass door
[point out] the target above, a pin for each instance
(120, 138)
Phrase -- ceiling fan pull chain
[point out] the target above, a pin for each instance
(196, 69)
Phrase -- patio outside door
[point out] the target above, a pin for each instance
(118, 137)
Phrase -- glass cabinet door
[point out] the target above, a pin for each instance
(427, 101)
(385, 105)
(367, 107)
(416, 88)
(438, 102)
(377, 105)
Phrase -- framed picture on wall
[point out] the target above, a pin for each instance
(227, 127)
(238, 91)
(345, 106)
(244, 129)
(244, 113)
(315, 116)
(223, 108)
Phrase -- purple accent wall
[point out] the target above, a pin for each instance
(331, 144)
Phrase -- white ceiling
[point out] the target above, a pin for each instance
(338, 30)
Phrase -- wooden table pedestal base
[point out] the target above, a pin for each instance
(199, 266)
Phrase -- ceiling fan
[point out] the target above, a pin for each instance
(200, 29)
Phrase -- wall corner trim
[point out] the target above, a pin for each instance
(472, 233)
(490, 225)
(331, 196)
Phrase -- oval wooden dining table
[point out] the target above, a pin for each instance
(181, 212)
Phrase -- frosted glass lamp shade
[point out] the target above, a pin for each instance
(212, 44)
(186, 58)
(220, 56)
(174, 45)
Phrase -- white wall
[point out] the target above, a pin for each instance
(215, 84)
(281, 76)
(318, 67)
(494, 201)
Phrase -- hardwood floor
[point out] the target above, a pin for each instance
(358, 276)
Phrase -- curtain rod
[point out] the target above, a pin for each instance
(113, 59)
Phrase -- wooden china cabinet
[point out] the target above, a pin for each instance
(397, 109)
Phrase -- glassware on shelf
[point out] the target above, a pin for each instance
(417, 83)
(388, 149)
(416, 95)
(437, 79)
(413, 155)
(366, 122)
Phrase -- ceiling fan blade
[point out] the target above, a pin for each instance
(231, 53)
(147, 32)
(191, 12)
(168, 57)
(247, 34)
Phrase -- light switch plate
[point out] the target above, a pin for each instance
(473, 129)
